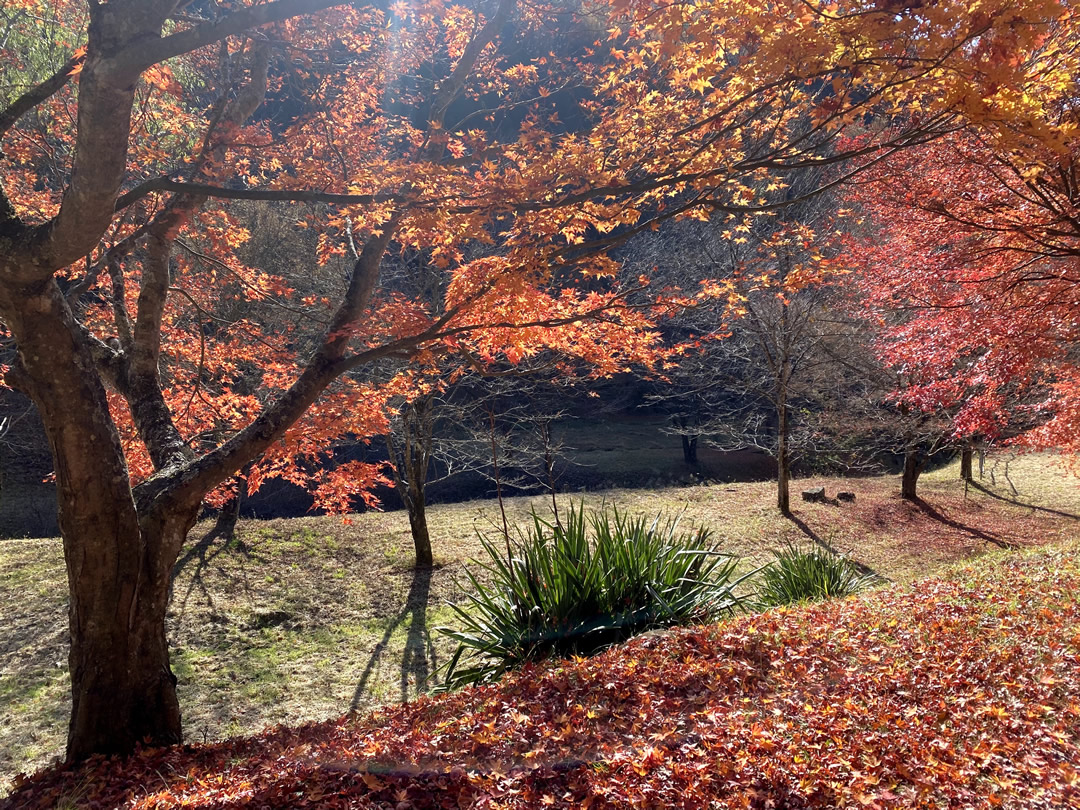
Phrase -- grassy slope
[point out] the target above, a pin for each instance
(301, 619)
(960, 691)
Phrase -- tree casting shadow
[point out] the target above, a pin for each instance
(418, 660)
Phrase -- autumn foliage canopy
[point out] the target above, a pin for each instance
(970, 260)
(426, 130)
(503, 146)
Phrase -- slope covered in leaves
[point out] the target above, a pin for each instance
(954, 692)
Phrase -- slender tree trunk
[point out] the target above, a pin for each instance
(417, 507)
(549, 466)
(783, 470)
(783, 369)
(411, 460)
(914, 461)
(689, 449)
(225, 526)
(498, 479)
(783, 454)
(966, 455)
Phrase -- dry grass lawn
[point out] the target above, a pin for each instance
(305, 618)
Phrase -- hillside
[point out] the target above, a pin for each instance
(301, 619)
(959, 691)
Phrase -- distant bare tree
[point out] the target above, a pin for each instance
(768, 372)
(504, 426)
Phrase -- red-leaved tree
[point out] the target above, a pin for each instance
(971, 265)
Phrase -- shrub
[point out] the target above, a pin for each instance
(577, 586)
(809, 575)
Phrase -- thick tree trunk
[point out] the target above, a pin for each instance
(123, 690)
(914, 461)
(118, 561)
(966, 455)
(689, 449)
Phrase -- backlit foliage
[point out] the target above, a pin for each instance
(429, 123)
(971, 259)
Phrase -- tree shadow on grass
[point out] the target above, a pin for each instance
(987, 491)
(418, 660)
(861, 567)
(203, 552)
(932, 513)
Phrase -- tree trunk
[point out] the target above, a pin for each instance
(498, 478)
(689, 449)
(783, 480)
(965, 463)
(417, 506)
(782, 367)
(123, 690)
(410, 461)
(783, 458)
(543, 425)
(914, 461)
(225, 525)
(118, 560)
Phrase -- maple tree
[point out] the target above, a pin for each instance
(145, 341)
(970, 263)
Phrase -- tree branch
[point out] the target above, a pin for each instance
(35, 95)
(279, 195)
(139, 56)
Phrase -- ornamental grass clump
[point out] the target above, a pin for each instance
(809, 575)
(576, 586)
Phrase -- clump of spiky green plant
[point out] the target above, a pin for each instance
(809, 575)
(576, 586)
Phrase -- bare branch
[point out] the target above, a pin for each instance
(35, 95)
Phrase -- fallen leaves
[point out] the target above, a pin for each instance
(959, 692)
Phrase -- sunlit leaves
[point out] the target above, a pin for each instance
(971, 259)
(510, 178)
